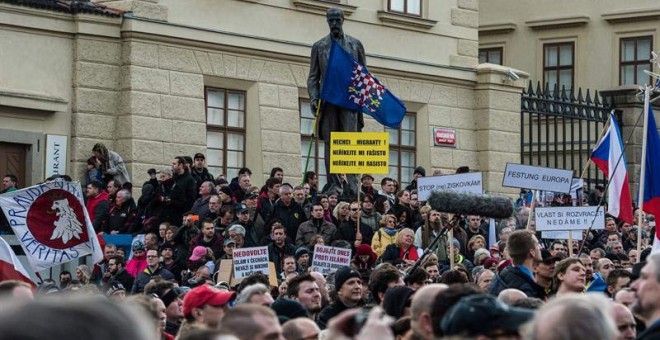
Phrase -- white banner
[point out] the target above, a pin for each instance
(537, 178)
(51, 223)
(56, 159)
(471, 182)
(569, 218)
(561, 235)
(248, 261)
(328, 259)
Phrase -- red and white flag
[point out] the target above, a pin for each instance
(10, 267)
(51, 223)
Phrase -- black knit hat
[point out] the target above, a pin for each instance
(288, 309)
(344, 274)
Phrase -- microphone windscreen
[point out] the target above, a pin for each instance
(470, 204)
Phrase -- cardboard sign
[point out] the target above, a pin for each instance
(359, 152)
(226, 273)
(248, 261)
(569, 218)
(537, 178)
(471, 182)
(326, 259)
(561, 235)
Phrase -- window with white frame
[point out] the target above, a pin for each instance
(225, 131)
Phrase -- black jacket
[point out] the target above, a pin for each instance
(513, 277)
(187, 184)
(651, 333)
(347, 232)
(277, 255)
(330, 312)
(201, 177)
(291, 216)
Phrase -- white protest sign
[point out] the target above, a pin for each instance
(537, 178)
(248, 261)
(56, 156)
(561, 235)
(328, 259)
(471, 182)
(569, 218)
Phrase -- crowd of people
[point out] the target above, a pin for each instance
(170, 285)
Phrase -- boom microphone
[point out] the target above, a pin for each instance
(470, 204)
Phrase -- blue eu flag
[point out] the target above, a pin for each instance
(349, 84)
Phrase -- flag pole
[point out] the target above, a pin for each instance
(531, 209)
(642, 173)
(309, 150)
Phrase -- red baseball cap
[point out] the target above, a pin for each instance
(205, 295)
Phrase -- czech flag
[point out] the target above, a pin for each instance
(609, 158)
(652, 175)
(10, 267)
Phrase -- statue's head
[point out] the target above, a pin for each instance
(335, 18)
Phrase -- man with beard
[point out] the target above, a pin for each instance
(214, 207)
(302, 259)
(169, 262)
(184, 180)
(171, 200)
(305, 290)
(279, 248)
(289, 212)
(208, 238)
(199, 172)
(425, 235)
(545, 269)
(647, 292)
(116, 272)
(348, 287)
(317, 225)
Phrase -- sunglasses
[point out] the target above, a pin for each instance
(355, 209)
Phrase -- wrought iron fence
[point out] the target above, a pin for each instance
(559, 129)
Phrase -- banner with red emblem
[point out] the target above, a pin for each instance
(51, 223)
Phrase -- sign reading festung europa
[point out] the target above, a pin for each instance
(471, 182)
(537, 178)
(248, 261)
(327, 260)
(569, 218)
(51, 223)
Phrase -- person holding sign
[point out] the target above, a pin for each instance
(349, 229)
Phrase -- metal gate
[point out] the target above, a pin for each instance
(559, 130)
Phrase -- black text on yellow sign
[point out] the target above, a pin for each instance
(359, 152)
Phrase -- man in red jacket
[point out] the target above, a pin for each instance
(98, 204)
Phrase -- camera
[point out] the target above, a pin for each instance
(512, 75)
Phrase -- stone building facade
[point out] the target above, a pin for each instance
(153, 79)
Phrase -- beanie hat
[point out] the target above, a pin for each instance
(395, 300)
(365, 249)
(287, 309)
(420, 170)
(114, 288)
(481, 251)
(300, 252)
(344, 274)
(138, 246)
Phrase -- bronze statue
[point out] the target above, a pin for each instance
(333, 118)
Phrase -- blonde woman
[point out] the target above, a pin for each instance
(340, 214)
(475, 243)
(83, 274)
(403, 249)
(385, 235)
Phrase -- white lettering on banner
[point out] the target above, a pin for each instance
(471, 182)
(537, 178)
(561, 235)
(248, 261)
(327, 260)
(569, 218)
(51, 223)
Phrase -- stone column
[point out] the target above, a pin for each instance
(497, 117)
(149, 9)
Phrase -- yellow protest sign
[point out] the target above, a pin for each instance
(359, 152)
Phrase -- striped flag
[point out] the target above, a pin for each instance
(609, 158)
(10, 267)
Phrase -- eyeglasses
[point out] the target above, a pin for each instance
(152, 256)
(355, 209)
